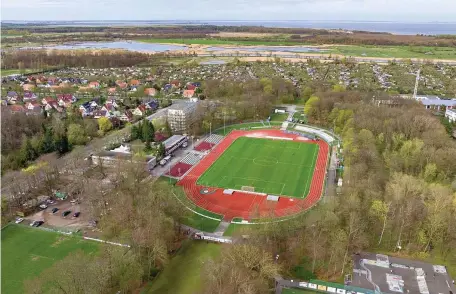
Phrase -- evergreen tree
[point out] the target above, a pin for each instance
(47, 144)
(148, 131)
(61, 144)
(161, 150)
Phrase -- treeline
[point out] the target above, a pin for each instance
(22, 59)
(25, 138)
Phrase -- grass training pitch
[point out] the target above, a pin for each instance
(26, 252)
(277, 167)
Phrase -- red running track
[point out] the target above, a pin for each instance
(246, 205)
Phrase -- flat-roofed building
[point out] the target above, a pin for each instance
(181, 116)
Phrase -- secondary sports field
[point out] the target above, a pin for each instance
(26, 252)
(277, 167)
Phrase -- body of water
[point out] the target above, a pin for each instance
(213, 62)
(267, 48)
(403, 28)
(126, 45)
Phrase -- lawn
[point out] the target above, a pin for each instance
(27, 251)
(279, 117)
(7, 72)
(277, 167)
(183, 274)
(194, 220)
(397, 51)
(255, 125)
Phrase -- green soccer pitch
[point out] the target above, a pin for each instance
(276, 167)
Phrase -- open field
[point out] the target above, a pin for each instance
(26, 252)
(183, 274)
(396, 51)
(273, 167)
(279, 116)
(7, 72)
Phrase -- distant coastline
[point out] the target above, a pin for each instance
(402, 28)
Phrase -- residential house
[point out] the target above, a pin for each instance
(113, 102)
(175, 83)
(12, 97)
(140, 110)
(28, 87)
(191, 87)
(53, 105)
(108, 107)
(101, 113)
(28, 95)
(126, 116)
(135, 83)
(150, 91)
(189, 93)
(93, 104)
(123, 85)
(65, 100)
(47, 100)
(152, 105)
(111, 90)
(31, 105)
(196, 84)
(16, 109)
(94, 85)
(167, 87)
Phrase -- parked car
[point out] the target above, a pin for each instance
(38, 223)
(19, 220)
(66, 212)
(32, 224)
(76, 214)
(54, 210)
(43, 206)
(50, 202)
(165, 160)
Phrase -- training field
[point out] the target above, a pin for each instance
(277, 167)
(26, 252)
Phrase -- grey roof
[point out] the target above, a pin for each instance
(172, 140)
(443, 102)
(182, 106)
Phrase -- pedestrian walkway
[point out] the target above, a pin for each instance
(221, 229)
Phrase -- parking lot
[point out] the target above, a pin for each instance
(57, 220)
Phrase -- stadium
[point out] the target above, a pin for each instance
(255, 172)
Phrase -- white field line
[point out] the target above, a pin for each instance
(213, 218)
(308, 177)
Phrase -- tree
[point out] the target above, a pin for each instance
(161, 150)
(148, 132)
(306, 93)
(310, 109)
(380, 209)
(61, 144)
(104, 124)
(77, 135)
(240, 269)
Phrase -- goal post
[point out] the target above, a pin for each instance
(248, 188)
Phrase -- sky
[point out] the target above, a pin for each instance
(328, 10)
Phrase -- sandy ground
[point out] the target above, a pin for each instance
(57, 220)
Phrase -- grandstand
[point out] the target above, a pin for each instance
(209, 142)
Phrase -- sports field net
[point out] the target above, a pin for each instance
(248, 188)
